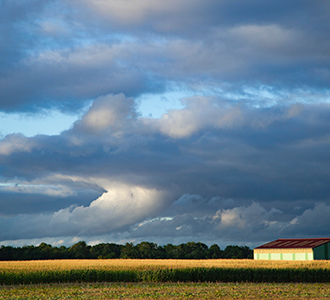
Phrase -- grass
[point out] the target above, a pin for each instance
(168, 291)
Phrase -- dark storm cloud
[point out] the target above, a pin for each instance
(214, 169)
(64, 53)
(207, 145)
(30, 202)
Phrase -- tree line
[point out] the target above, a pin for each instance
(143, 250)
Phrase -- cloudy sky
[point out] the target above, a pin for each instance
(164, 121)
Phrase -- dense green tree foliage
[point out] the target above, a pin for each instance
(143, 250)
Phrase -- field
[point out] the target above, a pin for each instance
(164, 279)
(168, 291)
(153, 264)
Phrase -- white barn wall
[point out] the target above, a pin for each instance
(284, 254)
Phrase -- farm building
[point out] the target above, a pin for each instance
(294, 249)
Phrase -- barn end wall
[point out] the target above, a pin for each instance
(322, 252)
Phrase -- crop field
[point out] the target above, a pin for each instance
(130, 270)
(164, 279)
(168, 291)
(154, 264)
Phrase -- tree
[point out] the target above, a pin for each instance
(171, 251)
(196, 250)
(147, 250)
(214, 252)
(129, 251)
(238, 252)
(7, 252)
(105, 251)
(80, 250)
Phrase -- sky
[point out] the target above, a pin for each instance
(164, 121)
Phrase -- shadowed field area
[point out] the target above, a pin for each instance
(168, 291)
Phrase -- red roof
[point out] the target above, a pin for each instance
(295, 243)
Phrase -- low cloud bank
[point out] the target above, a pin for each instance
(212, 169)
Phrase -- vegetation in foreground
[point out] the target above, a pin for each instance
(167, 275)
(168, 291)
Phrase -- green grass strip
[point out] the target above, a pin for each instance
(167, 275)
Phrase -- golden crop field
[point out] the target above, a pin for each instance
(87, 279)
(152, 264)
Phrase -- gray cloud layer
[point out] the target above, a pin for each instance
(64, 53)
(244, 160)
(214, 169)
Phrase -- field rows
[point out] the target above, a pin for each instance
(8, 277)
(70, 271)
(164, 279)
(155, 264)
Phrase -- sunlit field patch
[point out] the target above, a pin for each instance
(152, 264)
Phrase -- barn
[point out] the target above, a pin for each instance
(294, 249)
